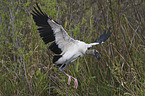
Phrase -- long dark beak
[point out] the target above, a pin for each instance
(97, 54)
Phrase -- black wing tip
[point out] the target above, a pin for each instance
(38, 9)
(108, 30)
(104, 36)
(36, 4)
(38, 14)
(109, 33)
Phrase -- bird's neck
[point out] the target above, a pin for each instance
(90, 52)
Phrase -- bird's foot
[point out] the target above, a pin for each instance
(69, 80)
(75, 82)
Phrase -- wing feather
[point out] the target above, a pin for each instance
(51, 31)
(62, 38)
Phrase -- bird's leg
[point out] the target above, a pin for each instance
(66, 65)
(69, 77)
(69, 61)
(62, 65)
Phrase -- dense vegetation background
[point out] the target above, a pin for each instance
(26, 62)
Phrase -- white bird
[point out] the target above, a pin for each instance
(66, 48)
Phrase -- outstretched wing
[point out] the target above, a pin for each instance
(104, 36)
(51, 31)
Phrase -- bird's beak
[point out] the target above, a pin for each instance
(97, 54)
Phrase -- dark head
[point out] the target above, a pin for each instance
(96, 53)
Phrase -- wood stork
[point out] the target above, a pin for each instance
(66, 49)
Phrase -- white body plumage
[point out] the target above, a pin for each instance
(78, 49)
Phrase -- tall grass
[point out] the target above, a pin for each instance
(26, 62)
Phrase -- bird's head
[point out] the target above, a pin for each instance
(102, 39)
(96, 54)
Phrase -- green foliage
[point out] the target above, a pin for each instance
(26, 63)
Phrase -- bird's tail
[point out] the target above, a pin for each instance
(56, 57)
